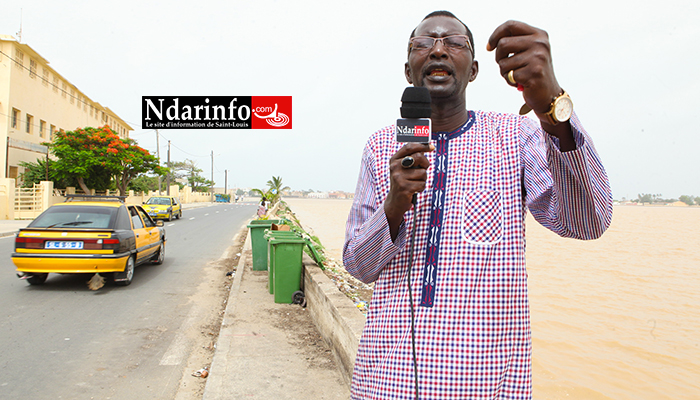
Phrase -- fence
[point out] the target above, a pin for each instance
(28, 203)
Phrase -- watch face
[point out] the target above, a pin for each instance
(563, 108)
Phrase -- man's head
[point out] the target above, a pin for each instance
(441, 56)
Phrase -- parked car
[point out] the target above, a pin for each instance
(101, 235)
(163, 207)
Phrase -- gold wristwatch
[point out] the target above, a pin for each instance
(560, 110)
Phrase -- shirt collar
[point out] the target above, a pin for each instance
(456, 133)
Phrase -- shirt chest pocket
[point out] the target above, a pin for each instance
(483, 217)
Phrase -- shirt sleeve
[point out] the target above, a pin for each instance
(568, 193)
(368, 245)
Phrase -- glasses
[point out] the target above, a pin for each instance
(456, 42)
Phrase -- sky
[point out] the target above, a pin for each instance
(630, 67)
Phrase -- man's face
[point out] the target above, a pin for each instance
(444, 71)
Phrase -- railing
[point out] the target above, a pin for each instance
(28, 202)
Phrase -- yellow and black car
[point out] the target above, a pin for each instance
(99, 235)
(163, 207)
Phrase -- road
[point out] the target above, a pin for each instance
(63, 341)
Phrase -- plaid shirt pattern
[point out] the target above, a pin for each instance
(469, 279)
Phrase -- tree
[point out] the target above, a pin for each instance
(91, 154)
(144, 183)
(188, 169)
(35, 172)
(689, 200)
(275, 188)
(645, 198)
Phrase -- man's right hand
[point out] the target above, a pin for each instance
(405, 182)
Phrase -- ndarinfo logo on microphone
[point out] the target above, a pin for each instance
(217, 112)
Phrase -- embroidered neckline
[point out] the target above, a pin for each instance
(456, 133)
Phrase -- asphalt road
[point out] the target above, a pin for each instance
(62, 341)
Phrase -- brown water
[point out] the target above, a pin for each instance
(618, 317)
(613, 318)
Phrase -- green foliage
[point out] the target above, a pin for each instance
(36, 172)
(274, 190)
(689, 200)
(144, 183)
(188, 169)
(93, 155)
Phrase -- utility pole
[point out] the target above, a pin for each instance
(212, 175)
(225, 181)
(158, 153)
(168, 180)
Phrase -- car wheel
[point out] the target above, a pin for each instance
(124, 278)
(37, 279)
(160, 256)
(170, 216)
(179, 215)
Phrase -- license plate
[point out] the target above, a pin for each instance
(63, 245)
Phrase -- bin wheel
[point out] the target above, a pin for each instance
(299, 298)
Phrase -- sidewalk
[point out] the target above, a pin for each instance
(267, 350)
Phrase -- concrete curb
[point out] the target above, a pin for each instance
(337, 319)
(214, 389)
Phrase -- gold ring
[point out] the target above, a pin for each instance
(511, 79)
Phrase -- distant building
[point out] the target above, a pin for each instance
(35, 102)
(317, 195)
(337, 195)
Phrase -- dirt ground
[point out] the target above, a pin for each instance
(211, 296)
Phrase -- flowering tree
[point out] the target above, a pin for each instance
(93, 152)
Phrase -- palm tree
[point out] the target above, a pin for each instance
(276, 188)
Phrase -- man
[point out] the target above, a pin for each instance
(475, 182)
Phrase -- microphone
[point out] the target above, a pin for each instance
(414, 124)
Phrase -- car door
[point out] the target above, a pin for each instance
(152, 230)
(176, 206)
(145, 232)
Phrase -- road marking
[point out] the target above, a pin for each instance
(178, 348)
(206, 214)
(170, 224)
(191, 218)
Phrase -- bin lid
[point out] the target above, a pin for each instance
(317, 257)
(286, 239)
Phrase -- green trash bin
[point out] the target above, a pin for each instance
(258, 243)
(274, 234)
(285, 262)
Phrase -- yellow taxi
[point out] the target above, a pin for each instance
(163, 207)
(98, 235)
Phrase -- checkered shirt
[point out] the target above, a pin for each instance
(469, 281)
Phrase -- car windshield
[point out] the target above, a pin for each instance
(161, 201)
(76, 217)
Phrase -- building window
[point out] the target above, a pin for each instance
(52, 129)
(55, 84)
(30, 120)
(65, 90)
(32, 68)
(78, 100)
(15, 118)
(45, 75)
(14, 172)
(42, 125)
(19, 58)
(72, 96)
